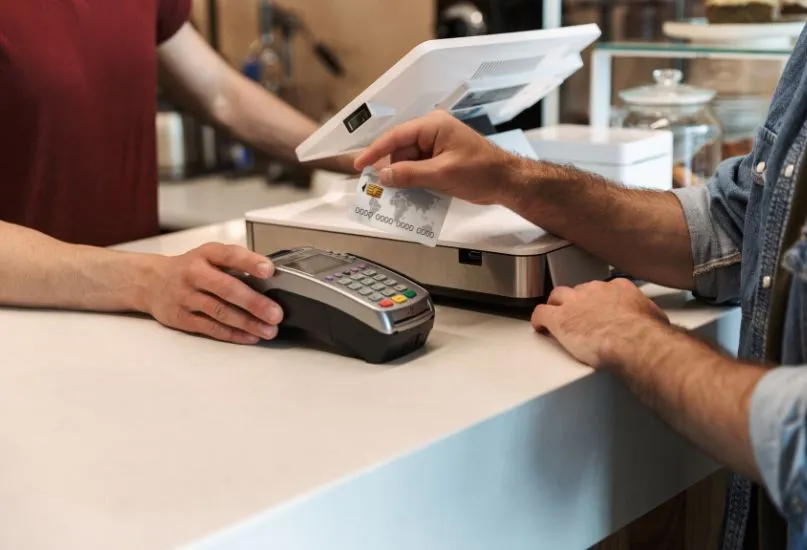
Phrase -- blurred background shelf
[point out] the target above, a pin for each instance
(638, 37)
(691, 50)
(729, 77)
(699, 30)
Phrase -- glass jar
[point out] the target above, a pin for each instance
(686, 112)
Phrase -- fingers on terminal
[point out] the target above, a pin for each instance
(235, 292)
(237, 258)
(202, 324)
(225, 314)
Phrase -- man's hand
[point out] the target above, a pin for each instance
(702, 394)
(441, 153)
(641, 232)
(192, 293)
(593, 319)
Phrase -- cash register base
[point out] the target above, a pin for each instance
(471, 275)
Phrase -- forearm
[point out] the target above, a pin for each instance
(269, 124)
(699, 392)
(39, 271)
(642, 232)
(207, 86)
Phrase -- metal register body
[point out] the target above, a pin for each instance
(485, 254)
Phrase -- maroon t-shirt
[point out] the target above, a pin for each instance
(78, 81)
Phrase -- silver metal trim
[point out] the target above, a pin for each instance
(572, 266)
(499, 275)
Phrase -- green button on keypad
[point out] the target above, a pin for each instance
(409, 293)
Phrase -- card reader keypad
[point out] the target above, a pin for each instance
(372, 285)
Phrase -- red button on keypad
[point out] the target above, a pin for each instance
(386, 302)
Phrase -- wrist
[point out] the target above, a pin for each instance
(514, 175)
(626, 342)
(145, 280)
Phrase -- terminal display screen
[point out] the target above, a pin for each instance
(316, 264)
(478, 98)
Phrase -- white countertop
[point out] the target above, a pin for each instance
(116, 432)
(217, 198)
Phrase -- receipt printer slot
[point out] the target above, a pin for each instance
(470, 257)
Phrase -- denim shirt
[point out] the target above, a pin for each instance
(736, 225)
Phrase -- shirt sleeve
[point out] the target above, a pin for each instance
(778, 426)
(171, 15)
(714, 214)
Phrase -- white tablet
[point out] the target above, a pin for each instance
(496, 75)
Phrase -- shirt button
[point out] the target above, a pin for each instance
(789, 170)
(760, 167)
(766, 281)
(797, 505)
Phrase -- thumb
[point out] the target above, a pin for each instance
(409, 173)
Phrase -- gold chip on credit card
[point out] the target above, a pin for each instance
(374, 190)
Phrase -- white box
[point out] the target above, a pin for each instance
(631, 156)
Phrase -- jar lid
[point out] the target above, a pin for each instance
(667, 90)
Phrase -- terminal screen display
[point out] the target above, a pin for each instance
(316, 264)
(477, 98)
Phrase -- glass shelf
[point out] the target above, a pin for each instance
(684, 50)
(604, 53)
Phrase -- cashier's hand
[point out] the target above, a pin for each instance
(192, 293)
(593, 320)
(441, 153)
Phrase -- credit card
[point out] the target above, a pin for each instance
(417, 214)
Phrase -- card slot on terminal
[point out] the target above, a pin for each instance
(413, 317)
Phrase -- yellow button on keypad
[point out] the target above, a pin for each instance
(398, 299)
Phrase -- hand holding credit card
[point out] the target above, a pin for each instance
(415, 208)
(417, 214)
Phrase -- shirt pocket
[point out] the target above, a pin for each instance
(758, 165)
